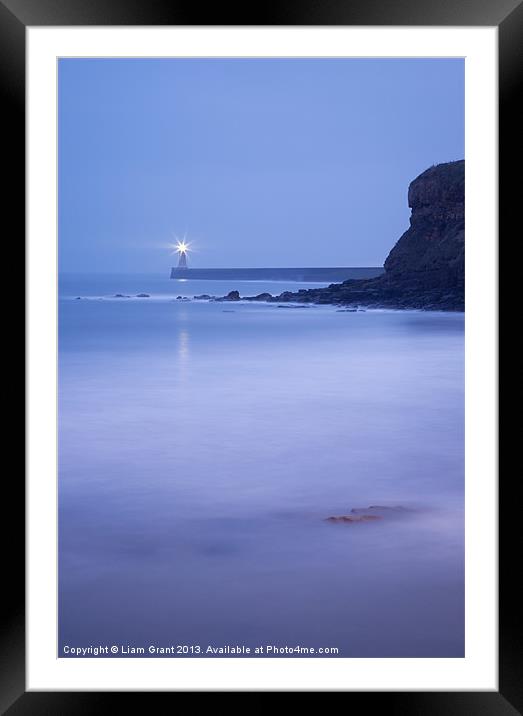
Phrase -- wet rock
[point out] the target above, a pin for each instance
(368, 514)
(259, 297)
(232, 296)
(353, 518)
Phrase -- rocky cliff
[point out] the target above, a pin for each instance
(431, 253)
(426, 267)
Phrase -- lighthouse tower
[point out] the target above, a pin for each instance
(181, 248)
(182, 261)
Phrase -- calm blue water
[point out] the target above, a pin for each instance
(202, 445)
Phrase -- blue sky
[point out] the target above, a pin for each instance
(263, 162)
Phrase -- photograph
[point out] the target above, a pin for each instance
(261, 383)
(262, 369)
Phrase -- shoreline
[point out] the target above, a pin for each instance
(276, 301)
(361, 295)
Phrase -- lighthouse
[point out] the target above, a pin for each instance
(182, 261)
(181, 249)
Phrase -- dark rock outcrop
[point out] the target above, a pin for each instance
(231, 296)
(426, 267)
(431, 253)
(368, 514)
(353, 518)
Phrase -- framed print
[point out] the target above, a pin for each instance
(261, 281)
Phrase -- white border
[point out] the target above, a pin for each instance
(478, 670)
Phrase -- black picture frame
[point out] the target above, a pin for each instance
(15, 16)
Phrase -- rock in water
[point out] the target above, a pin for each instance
(353, 518)
(259, 297)
(142, 295)
(368, 514)
(232, 296)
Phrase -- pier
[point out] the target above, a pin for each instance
(305, 275)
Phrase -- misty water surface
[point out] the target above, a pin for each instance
(202, 445)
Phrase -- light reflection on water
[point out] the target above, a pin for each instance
(183, 354)
(200, 452)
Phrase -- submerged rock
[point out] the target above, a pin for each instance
(120, 295)
(353, 518)
(368, 514)
(142, 295)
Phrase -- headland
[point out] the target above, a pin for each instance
(426, 267)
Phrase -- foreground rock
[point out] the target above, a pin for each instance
(426, 267)
(353, 518)
(368, 514)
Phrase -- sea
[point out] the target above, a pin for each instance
(202, 448)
